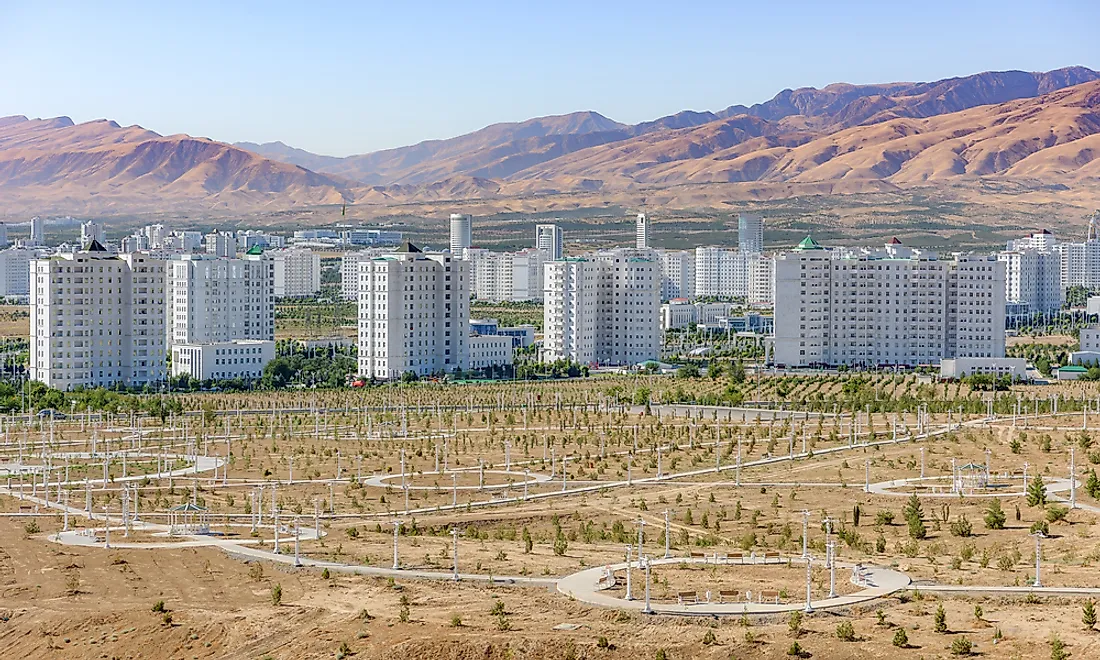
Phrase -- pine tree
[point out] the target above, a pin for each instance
(1037, 492)
(1088, 617)
(994, 515)
(940, 620)
(1092, 484)
(914, 517)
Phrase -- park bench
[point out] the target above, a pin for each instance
(731, 594)
(771, 555)
(720, 558)
(687, 597)
(698, 555)
(769, 596)
(739, 556)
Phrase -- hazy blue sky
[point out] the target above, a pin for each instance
(351, 77)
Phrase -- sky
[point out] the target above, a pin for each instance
(343, 78)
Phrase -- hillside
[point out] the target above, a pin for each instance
(99, 167)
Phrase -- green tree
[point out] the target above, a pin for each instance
(995, 515)
(1088, 615)
(939, 621)
(1037, 492)
(914, 518)
(901, 640)
(1092, 484)
(737, 371)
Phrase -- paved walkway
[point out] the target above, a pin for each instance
(587, 586)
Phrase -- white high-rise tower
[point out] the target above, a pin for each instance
(462, 229)
(641, 232)
(550, 239)
(750, 233)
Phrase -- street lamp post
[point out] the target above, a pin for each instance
(668, 552)
(454, 537)
(396, 531)
(809, 564)
(647, 609)
(1039, 536)
(805, 531)
(629, 596)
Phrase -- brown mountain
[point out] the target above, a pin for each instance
(95, 167)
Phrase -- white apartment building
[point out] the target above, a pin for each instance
(297, 273)
(761, 280)
(602, 310)
(349, 274)
(221, 244)
(38, 231)
(462, 233)
(551, 240)
(750, 233)
(682, 313)
(506, 276)
(1033, 273)
(97, 319)
(15, 271)
(4, 242)
(641, 232)
(244, 359)
(414, 314)
(490, 351)
(92, 231)
(214, 300)
(677, 273)
(721, 272)
(894, 306)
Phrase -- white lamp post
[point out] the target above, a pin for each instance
(629, 596)
(454, 536)
(805, 531)
(396, 532)
(668, 552)
(1039, 536)
(809, 564)
(647, 609)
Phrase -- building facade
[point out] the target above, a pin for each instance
(214, 300)
(414, 314)
(641, 232)
(894, 306)
(750, 233)
(243, 359)
(677, 273)
(297, 273)
(462, 233)
(551, 240)
(602, 310)
(98, 319)
(15, 272)
(490, 351)
(1033, 275)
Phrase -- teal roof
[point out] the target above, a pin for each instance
(255, 250)
(1073, 369)
(809, 244)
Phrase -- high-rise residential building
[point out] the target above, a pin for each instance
(214, 300)
(1033, 275)
(349, 274)
(92, 231)
(97, 319)
(895, 306)
(462, 230)
(506, 276)
(750, 233)
(15, 272)
(677, 273)
(38, 231)
(551, 240)
(761, 280)
(155, 235)
(4, 242)
(414, 314)
(1080, 261)
(721, 272)
(221, 244)
(297, 273)
(641, 232)
(602, 310)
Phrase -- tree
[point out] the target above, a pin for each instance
(1088, 615)
(961, 527)
(914, 517)
(961, 646)
(901, 640)
(995, 515)
(1092, 484)
(940, 620)
(845, 632)
(1037, 492)
(277, 595)
(737, 371)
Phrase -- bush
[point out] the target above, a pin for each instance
(159, 606)
(901, 640)
(1057, 649)
(1056, 513)
(1088, 615)
(961, 527)
(32, 527)
(940, 620)
(845, 632)
(884, 517)
(961, 646)
(710, 638)
(995, 515)
(456, 621)
(277, 595)
(794, 623)
(1040, 526)
(325, 574)
(796, 651)
(498, 608)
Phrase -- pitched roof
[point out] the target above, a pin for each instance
(407, 246)
(895, 241)
(95, 246)
(255, 250)
(809, 244)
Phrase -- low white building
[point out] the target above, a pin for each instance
(681, 313)
(962, 367)
(1089, 350)
(490, 351)
(244, 359)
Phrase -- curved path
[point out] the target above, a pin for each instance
(587, 585)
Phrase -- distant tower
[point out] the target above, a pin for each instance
(750, 233)
(550, 239)
(462, 229)
(92, 231)
(1092, 226)
(641, 232)
(3, 235)
(38, 231)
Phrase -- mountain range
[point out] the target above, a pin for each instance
(1036, 130)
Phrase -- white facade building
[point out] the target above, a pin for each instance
(506, 276)
(602, 310)
(641, 232)
(214, 300)
(490, 351)
(462, 233)
(244, 359)
(761, 280)
(677, 274)
(721, 272)
(1080, 261)
(414, 313)
(221, 244)
(92, 231)
(15, 271)
(1033, 276)
(297, 273)
(4, 242)
(97, 319)
(895, 306)
(551, 240)
(682, 313)
(38, 231)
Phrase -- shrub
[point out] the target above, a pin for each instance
(1056, 513)
(1088, 615)
(277, 595)
(796, 651)
(1040, 526)
(961, 527)
(1058, 649)
(901, 640)
(995, 515)
(498, 608)
(884, 517)
(662, 654)
(166, 619)
(602, 643)
(961, 646)
(794, 623)
(32, 527)
(845, 632)
(159, 606)
(940, 620)
(978, 612)
(325, 574)
(456, 620)
(709, 638)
